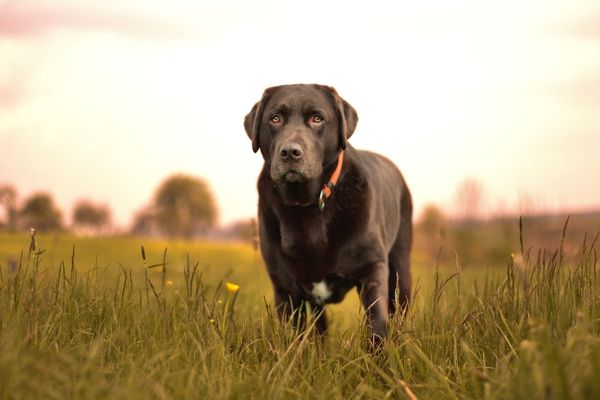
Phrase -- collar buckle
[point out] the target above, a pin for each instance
(327, 190)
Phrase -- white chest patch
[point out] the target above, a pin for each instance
(320, 292)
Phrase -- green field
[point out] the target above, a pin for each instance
(90, 318)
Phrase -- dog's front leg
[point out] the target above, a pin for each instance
(374, 297)
(290, 308)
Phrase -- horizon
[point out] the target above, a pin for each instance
(530, 211)
(103, 101)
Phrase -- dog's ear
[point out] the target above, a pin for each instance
(251, 125)
(253, 118)
(346, 114)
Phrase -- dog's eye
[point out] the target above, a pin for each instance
(316, 119)
(275, 119)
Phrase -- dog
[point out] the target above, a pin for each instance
(331, 218)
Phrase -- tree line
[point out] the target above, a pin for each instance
(182, 206)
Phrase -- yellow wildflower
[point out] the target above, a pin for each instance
(169, 282)
(232, 287)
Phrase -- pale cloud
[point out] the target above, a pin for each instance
(14, 89)
(583, 91)
(31, 19)
(581, 26)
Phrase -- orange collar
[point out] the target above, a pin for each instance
(327, 190)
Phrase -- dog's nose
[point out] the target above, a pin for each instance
(291, 151)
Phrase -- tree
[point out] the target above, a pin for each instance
(432, 228)
(8, 201)
(467, 234)
(184, 206)
(246, 230)
(40, 212)
(90, 216)
(144, 222)
(432, 221)
(469, 200)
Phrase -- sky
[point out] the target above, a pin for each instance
(103, 99)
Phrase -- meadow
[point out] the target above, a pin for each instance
(93, 318)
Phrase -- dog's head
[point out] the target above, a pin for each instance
(299, 129)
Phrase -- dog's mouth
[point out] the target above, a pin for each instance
(289, 175)
(293, 176)
(300, 171)
(297, 183)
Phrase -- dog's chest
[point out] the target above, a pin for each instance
(330, 289)
(321, 291)
(317, 267)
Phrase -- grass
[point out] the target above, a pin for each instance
(92, 318)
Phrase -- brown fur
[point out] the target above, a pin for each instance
(363, 236)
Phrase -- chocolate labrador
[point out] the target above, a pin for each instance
(331, 218)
